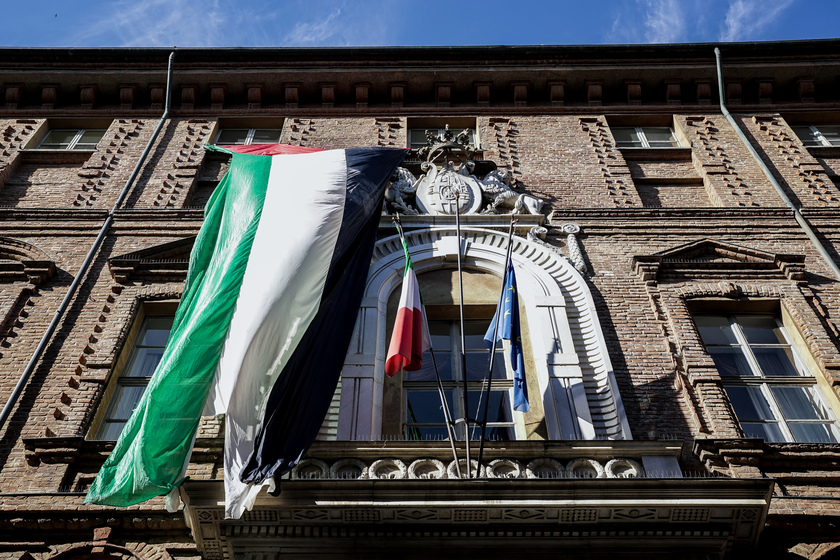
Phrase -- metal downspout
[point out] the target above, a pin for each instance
(800, 219)
(77, 280)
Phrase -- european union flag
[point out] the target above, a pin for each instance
(509, 330)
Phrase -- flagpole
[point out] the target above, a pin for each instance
(466, 418)
(446, 413)
(493, 349)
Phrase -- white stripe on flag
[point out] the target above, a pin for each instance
(278, 299)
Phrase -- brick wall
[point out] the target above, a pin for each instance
(570, 161)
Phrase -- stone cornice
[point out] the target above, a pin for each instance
(572, 515)
(662, 78)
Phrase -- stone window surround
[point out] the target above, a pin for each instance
(553, 294)
(789, 306)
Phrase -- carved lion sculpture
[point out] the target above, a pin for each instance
(497, 192)
(404, 184)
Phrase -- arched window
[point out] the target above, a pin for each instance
(573, 387)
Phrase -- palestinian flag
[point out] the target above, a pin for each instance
(272, 294)
(410, 337)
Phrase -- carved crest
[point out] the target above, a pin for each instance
(444, 189)
(439, 189)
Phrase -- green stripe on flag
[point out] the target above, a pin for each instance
(149, 456)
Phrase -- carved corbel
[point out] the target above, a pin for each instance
(575, 253)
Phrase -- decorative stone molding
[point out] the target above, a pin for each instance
(328, 95)
(557, 92)
(397, 94)
(634, 92)
(128, 93)
(623, 468)
(432, 468)
(101, 164)
(311, 468)
(387, 468)
(612, 165)
(427, 468)
(707, 256)
(445, 189)
(704, 91)
(166, 262)
(714, 164)
(571, 361)
(576, 515)
(388, 131)
(14, 93)
(805, 169)
(503, 468)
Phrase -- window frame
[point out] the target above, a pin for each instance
(644, 142)
(456, 386)
(71, 146)
(818, 138)
(805, 379)
(249, 136)
(107, 404)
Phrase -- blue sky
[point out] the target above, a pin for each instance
(308, 23)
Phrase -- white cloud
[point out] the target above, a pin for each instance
(153, 23)
(664, 21)
(746, 19)
(359, 24)
(652, 21)
(314, 33)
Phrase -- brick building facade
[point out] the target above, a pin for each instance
(678, 269)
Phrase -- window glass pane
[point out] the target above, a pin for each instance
(477, 364)
(59, 138)
(812, 432)
(90, 138)
(499, 410)
(749, 403)
(798, 403)
(144, 362)
(660, 137)
(427, 371)
(231, 136)
(715, 330)
(806, 135)
(769, 432)
(125, 399)
(266, 136)
(474, 332)
(761, 330)
(626, 137)
(730, 361)
(775, 362)
(156, 331)
(110, 431)
(417, 137)
(423, 406)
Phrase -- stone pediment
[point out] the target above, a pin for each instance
(23, 262)
(166, 262)
(708, 257)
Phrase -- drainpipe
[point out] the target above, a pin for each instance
(71, 291)
(800, 219)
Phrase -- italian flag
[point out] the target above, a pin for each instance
(410, 337)
(274, 285)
